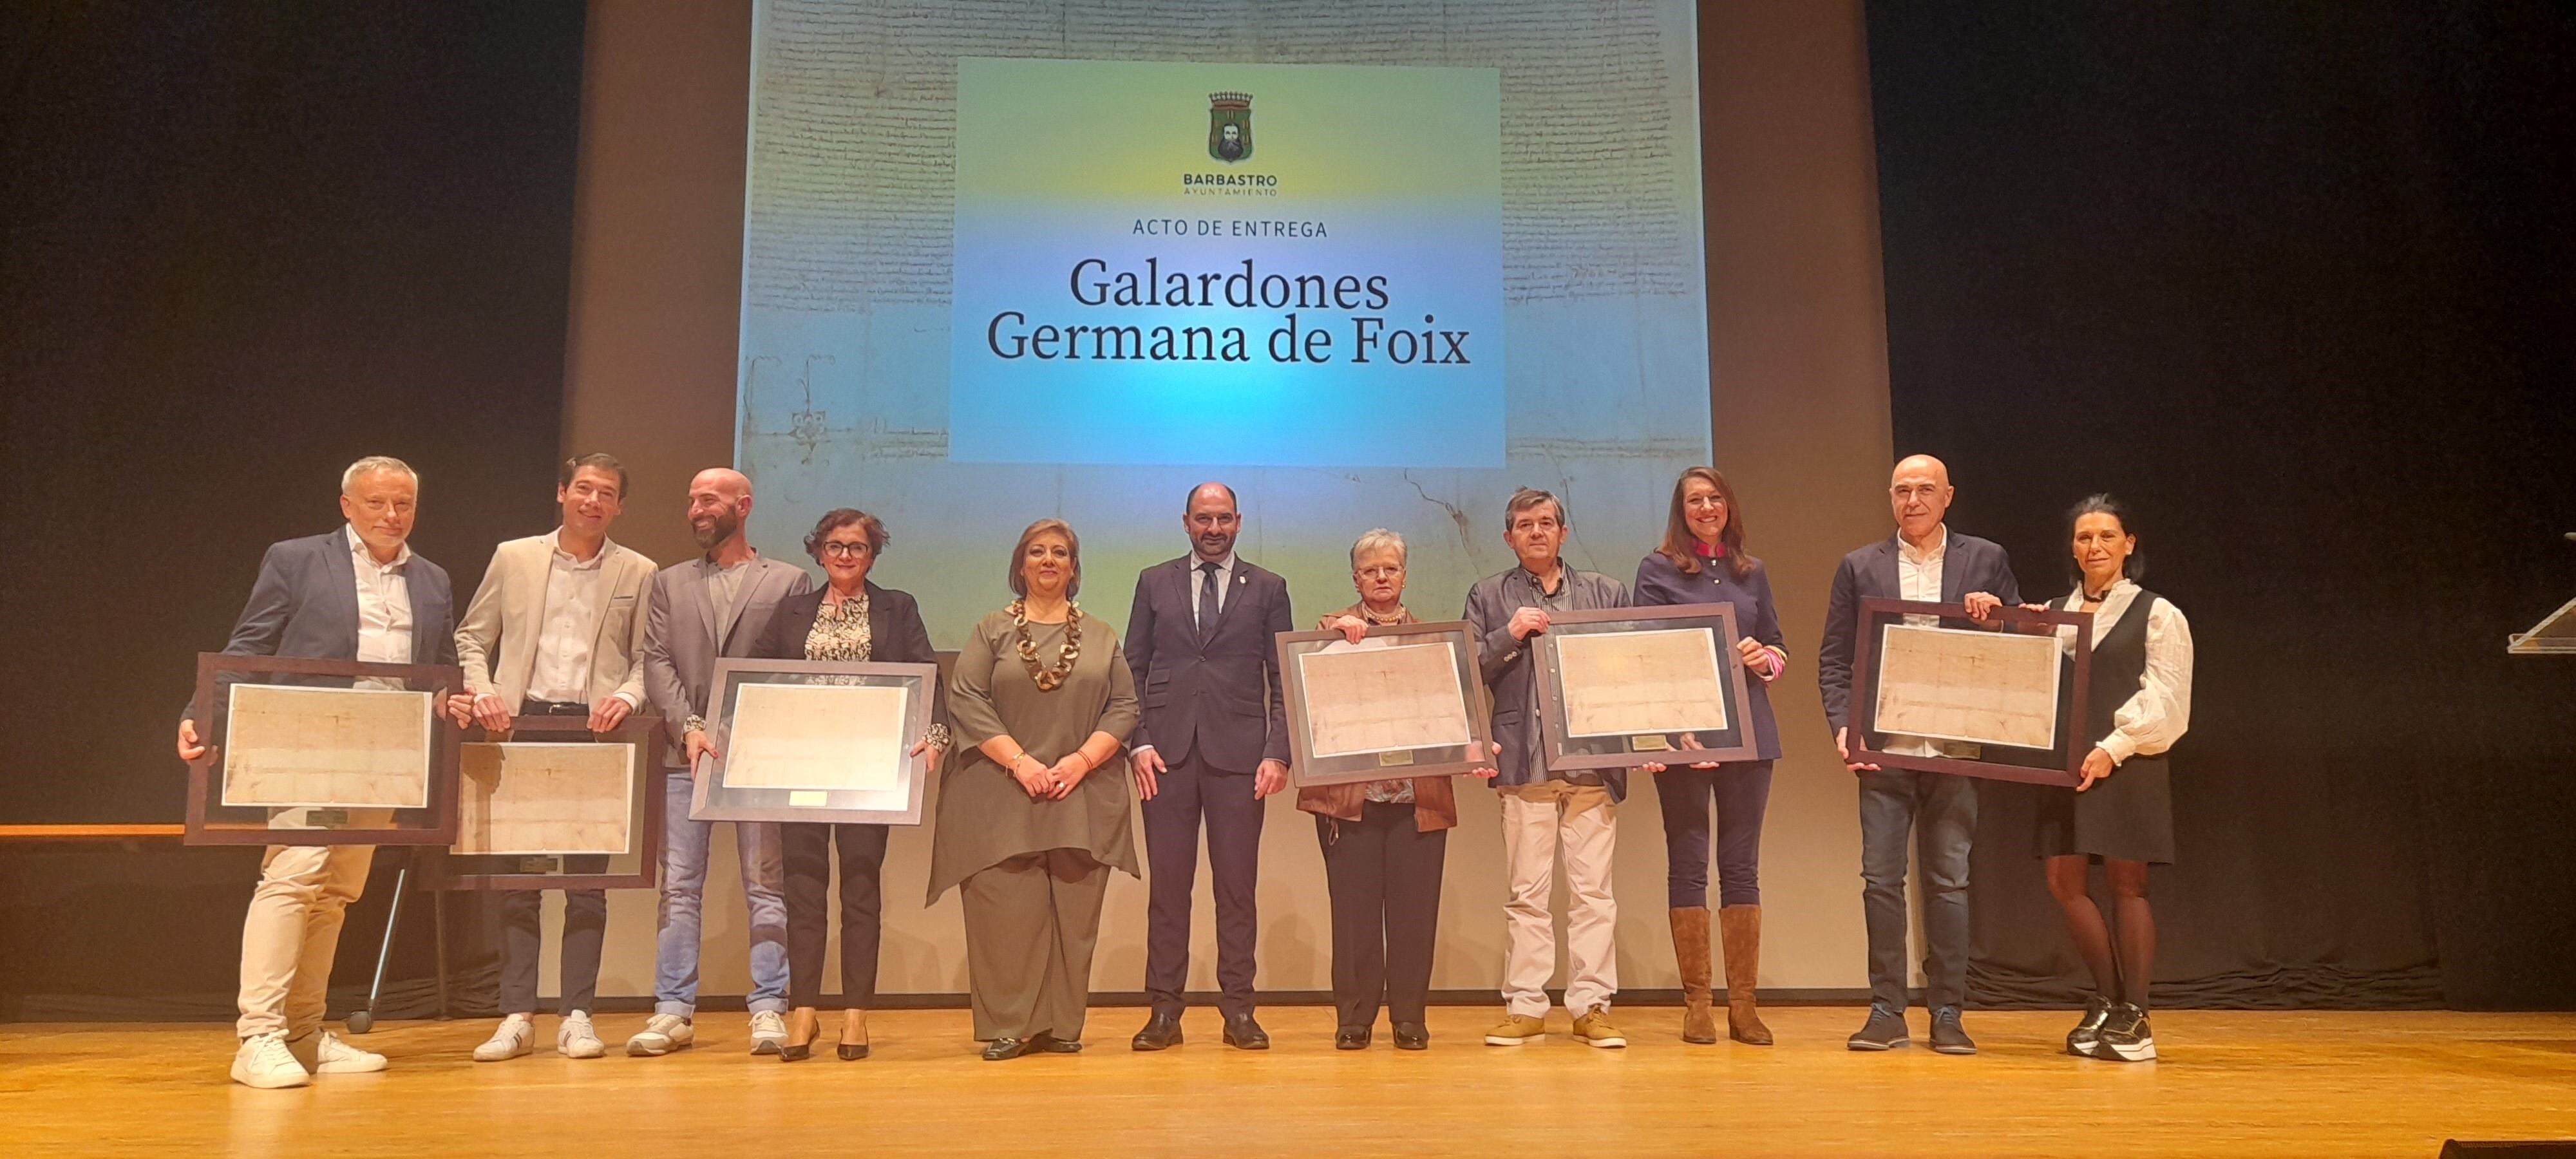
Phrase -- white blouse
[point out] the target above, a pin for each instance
(2157, 716)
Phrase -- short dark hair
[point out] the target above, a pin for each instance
(2101, 503)
(605, 462)
(1528, 497)
(840, 517)
(1072, 547)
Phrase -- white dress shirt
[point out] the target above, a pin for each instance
(567, 625)
(384, 604)
(1918, 578)
(1224, 583)
(2160, 711)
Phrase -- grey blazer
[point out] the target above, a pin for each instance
(1968, 564)
(1508, 669)
(682, 638)
(1212, 690)
(305, 603)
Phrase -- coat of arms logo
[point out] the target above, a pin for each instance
(1230, 126)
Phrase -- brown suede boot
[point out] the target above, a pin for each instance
(1741, 927)
(1690, 949)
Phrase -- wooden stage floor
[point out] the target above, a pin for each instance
(2316, 1084)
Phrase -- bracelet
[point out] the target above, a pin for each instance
(695, 723)
(937, 736)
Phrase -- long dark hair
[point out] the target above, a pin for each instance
(2101, 503)
(1680, 546)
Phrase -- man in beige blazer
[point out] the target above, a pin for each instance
(556, 629)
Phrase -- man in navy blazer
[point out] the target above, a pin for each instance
(1923, 561)
(355, 592)
(1213, 741)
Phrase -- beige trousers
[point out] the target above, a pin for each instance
(292, 931)
(1538, 820)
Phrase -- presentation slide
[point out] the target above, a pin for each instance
(1372, 264)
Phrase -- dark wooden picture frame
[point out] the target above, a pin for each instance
(2065, 771)
(1737, 743)
(1429, 761)
(705, 802)
(457, 872)
(205, 824)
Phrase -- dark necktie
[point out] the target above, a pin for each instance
(1207, 597)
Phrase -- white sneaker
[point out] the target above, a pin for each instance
(515, 1037)
(333, 1056)
(264, 1062)
(576, 1039)
(662, 1034)
(768, 1032)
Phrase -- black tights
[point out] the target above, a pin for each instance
(2123, 978)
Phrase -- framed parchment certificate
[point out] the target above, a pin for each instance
(1405, 701)
(2003, 702)
(303, 751)
(1622, 687)
(817, 740)
(552, 805)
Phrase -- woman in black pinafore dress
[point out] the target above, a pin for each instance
(2121, 817)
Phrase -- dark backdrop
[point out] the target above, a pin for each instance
(2292, 278)
(240, 246)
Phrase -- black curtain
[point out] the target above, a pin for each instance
(2292, 279)
(244, 245)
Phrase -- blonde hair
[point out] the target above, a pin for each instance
(1377, 539)
(1072, 547)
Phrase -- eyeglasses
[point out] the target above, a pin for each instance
(840, 550)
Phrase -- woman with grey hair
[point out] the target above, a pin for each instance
(1384, 844)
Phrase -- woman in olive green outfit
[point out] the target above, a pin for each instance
(1035, 813)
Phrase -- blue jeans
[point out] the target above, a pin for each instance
(684, 881)
(1940, 811)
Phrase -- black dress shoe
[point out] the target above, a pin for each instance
(1161, 1030)
(1242, 1033)
(1050, 1044)
(1948, 1037)
(1005, 1048)
(1351, 1038)
(1412, 1036)
(1884, 1031)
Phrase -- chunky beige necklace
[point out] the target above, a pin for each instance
(1049, 678)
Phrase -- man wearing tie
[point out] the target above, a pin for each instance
(1213, 742)
(695, 611)
(556, 629)
(1923, 561)
(352, 593)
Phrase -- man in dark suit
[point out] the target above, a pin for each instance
(355, 592)
(1212, 744)
(1923, 561)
